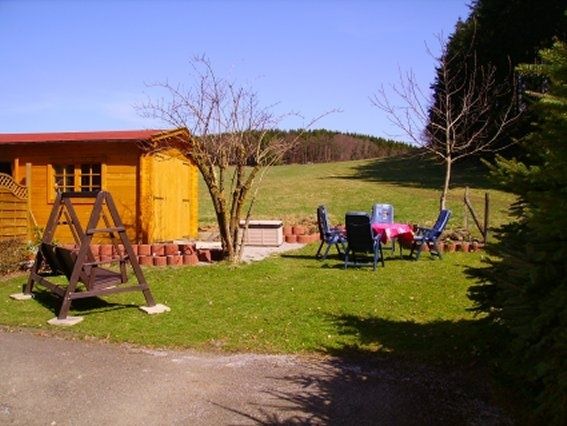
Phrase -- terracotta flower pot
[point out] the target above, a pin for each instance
(299, 230)
(190, 259)
(291, 238)
(145, 260)
(158, 249)
(105, 250)
(465, 246)
(118, 250)
(144, 250)
(304, 239)
(287, 230)
(187, 248)
(450, 247)
(174, 260)
(160, 260)
(171, 249)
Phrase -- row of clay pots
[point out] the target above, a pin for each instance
(169, 260)
(464, 246)
(461, 246)
(295, 230)
(156, 254)
(144, 249)
(302, 239)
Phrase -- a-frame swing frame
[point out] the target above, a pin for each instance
(81, 266)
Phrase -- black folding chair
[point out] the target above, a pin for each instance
(361, 240)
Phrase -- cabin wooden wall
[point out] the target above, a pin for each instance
(120, 173)
(156, 194)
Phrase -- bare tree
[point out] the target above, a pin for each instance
(228, 139)
(470, 113)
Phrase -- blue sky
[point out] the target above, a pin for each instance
(82, 65)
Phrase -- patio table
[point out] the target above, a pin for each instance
(394, 231)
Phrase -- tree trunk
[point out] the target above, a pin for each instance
(443, 200)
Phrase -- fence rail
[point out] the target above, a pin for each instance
(14, 209)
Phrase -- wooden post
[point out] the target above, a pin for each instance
(486, 215)
(29, 200)
(466, 213)
(473, 212)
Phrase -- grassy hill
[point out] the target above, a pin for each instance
(293, 192)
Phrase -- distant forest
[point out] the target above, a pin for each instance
(325, 146)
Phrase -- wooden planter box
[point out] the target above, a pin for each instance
(263, 233)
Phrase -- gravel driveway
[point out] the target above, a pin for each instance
(47, 380)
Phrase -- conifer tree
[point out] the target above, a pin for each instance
(524, 291)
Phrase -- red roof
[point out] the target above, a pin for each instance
(117, 135)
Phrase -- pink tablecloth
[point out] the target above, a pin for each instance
(401, 231)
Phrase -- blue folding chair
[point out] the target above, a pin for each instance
(430, 236)
(331, 236)
(361, 240)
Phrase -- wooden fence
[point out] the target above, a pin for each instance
(15, 213)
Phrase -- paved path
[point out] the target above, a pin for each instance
(46, 380)
(254, 253)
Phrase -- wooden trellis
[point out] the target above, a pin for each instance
(15, 213)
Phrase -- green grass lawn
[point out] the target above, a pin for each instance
(287, 304)
(293, 192)
(294, 303)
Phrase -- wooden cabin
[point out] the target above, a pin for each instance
(155, 191)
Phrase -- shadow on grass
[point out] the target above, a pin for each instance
(439, 341)
(397, 372)
(84, 306)
(422, 172)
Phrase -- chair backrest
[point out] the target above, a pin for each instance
(440, 223)
(67, 260)
(48, 253)
(323, 221)
(382, 213)
(359, 231)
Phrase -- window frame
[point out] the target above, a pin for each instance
(77, 175)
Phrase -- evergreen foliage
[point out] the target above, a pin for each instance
(325, 146)
(524, 291)
(503, 34)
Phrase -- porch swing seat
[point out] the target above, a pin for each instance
(79, 265)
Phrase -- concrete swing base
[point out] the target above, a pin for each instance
(156, 309)
(21, 296)
(65, 322)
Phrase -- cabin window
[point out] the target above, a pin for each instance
(64, 176)
(85, 177)
(91, 177)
